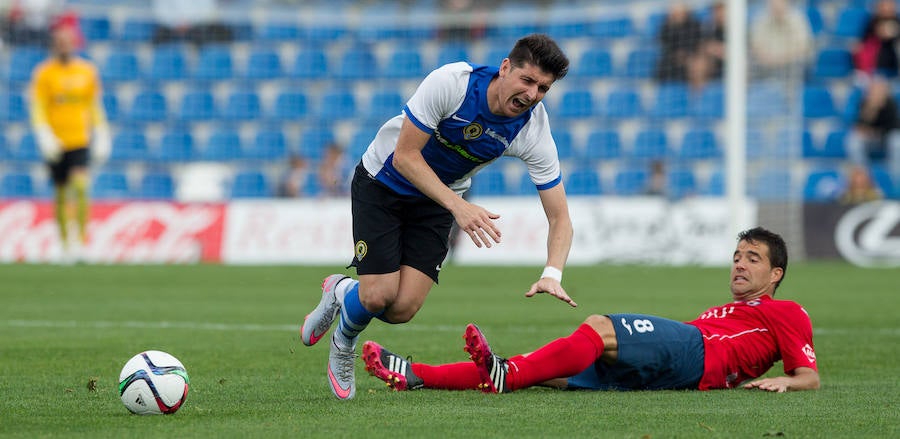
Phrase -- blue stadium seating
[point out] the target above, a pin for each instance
(772, 184)
(129, 144)
(715, 186)
(12, 107)
(566, 21)
(5, 153)
(851, 105)
(120, 65)
(823, 186)
(816, 21)
(699, 144)
(833, 62)
(360, 141)
(22, 61)
(631, 181)
(575, 104)
(111, 106)
(766, 100)
(110, 185)
(223, 145)
(709, 104)
(149, 106)
(650, 144)
(583, 181)
(817, 102)
(197, 106)
(652, 24)
(314, 141)
(403, 63)
(641, 63)
(850, 22)
(496, 52)
(156, 186)
(214, 63)
(680, 183)
(263, 64)
(670, 101)
(603, 144)
(242, 106)
(488, 182)
(564, 145)
(95, 28)
(268, 144)
(16, 185)
(250, 184)
(168, 63)
(278, 31)
(451, 52)
(595, 62)
(137, 30)
(384, 105)
(882, 178)
(176, 146)
(357, 62)
(624, 102)
(310, 63)
(337, 103)
(611, 27)
(526, 186)
(833, 147)
(27, 151)
(290, 105)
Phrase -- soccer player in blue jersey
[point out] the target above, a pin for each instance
(406, 192)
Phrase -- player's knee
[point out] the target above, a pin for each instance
(602, 325)
(375, 301)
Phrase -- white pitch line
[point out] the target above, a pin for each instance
(414, 327)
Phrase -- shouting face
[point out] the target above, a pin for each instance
(517, 89)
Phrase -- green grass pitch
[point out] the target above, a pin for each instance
(235, 329)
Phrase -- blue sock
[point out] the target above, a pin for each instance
(354, 318)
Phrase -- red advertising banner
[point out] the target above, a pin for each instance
(133, 232)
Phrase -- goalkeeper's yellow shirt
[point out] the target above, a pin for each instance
(66, 96)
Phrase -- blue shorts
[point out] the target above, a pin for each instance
(654, 354)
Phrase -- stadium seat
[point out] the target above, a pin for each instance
(357, 62)
(336, 103)
(526, 186)
(250, 184)
(641, 63)
(5, 153)
(850, 22)
(403, 63)
(583, 181)
(384, 105)
(12, 107)
(451, 52)
(699, 144)
(27, 151)
(631, 181)
(111, 106)
(268, 144)
(16, 185)
(709, 104)
(120, 65)
(564, 144)
(156, 186)
(168, 63)
(495, 53)
(511, 29)
(851, 105)
(766, 100)
(22, 61)
(137, 30)
(110, 185)
(488, 182)
(176, 146)
(623, 103)
(833, 62)
(263, 64)
(290, 105)
(278, 31)
(611, 27)
(680, 183)
(223, 145)
(575, 104)
(816, 21)
(833, 148)
(772, 185)
(817, 102)
(149, 106)
(715, 185)
(214, 63)
(129, 145)
(890, 188)
(670, 101)
(197, 106)
(314, 141)
(242, 106)
(652, 24)
(823, 186)
(595, 62)
(650, 144)
(603, 144)
(310, 63)
(756, 143)
(566, 21)
(95, 28)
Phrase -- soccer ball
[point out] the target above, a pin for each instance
(152, 383)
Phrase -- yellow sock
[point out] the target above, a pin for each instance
(82, 204)
(61, 215)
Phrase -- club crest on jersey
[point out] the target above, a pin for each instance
(361, 249)
(472, 131)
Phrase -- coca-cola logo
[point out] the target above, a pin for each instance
(869, 235)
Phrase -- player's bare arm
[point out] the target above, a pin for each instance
(475, 220)
(559, 241)
(803, 378)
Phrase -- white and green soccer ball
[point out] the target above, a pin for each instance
(152, 383)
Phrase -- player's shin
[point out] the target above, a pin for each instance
(561, 358)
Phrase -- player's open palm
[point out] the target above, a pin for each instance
(478, 223)
(551, 287)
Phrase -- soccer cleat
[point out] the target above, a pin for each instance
(389, 367)
(320, 319)
(340, 371)
(491, 368)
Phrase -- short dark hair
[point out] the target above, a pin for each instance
(778, 256)
(540, 50)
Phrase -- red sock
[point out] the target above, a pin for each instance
(561, 358)
(453, 376)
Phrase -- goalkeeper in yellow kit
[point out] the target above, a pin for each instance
(69, 126)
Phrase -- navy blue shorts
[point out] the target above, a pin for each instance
(654, 354)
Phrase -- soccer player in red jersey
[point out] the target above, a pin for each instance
(725, 347)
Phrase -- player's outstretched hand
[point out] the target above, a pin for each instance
(551, 287)
(778, 384)
(478, 223)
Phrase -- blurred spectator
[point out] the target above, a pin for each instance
(679, 38)
(294, 179)
(876, 51)
(860, 188)
(194, 21)
(656, 184)
(781, 41)
(714, 39)
(27, 22)
(334, 173)
(875, 135)
(462, 20)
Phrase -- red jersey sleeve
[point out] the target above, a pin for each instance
(794, 336)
